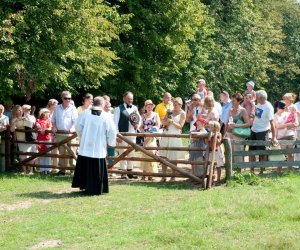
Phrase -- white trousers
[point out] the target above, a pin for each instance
(126, 165)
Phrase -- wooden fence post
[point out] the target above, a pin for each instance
(228, 158)
(7, 148)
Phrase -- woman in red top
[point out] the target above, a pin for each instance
(43, 124)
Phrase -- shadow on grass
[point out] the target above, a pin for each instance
(159, 185)
(46, 195)
(36, 176)
(113, 182)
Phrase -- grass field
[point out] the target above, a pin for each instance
(42, 212)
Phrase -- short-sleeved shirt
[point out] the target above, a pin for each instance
(64, 118)
(162, 108)
(263, 115)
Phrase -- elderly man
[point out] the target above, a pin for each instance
(162, 108)
(64, 118)
(263, 123)
(125, 124)
(96, 130)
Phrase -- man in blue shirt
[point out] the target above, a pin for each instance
(226, 106)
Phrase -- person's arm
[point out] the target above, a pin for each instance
(189, 114)
(111, 133)
(53, 121)
(181, 122)
(273, 130)
(246, 120)
(13, 124)
(157, 120)
(117, 117)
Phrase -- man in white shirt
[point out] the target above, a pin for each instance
(123, 124)
(263, 123)
(64, 118)
(297, 105)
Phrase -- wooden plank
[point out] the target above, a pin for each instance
(121, 157)
(66, 140)
(70, 151)
(228, 158)
(263, 143)
(47, 166)
(113, 171)
(201, 136)
(163, 161)
(36, 142)
(46, 155)
(267, 152)
(266, 164)
(62, 132)
(165, 148)
(155, 160)
(212, 165)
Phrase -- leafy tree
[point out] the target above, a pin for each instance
(47, 46)
(159, 48)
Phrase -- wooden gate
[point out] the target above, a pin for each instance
(205, 179)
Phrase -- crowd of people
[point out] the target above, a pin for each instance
(239, 116)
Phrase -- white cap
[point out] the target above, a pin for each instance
(250, 83)
(44, 110)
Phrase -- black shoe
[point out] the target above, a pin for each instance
(61, 173)
(131, 176)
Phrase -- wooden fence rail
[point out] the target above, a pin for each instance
(230, 153)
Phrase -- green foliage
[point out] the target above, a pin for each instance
(148, 46)
(159, 48)
(55, 45)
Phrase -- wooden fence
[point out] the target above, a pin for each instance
(230, 165)
(208, 165)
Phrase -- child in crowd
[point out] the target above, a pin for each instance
(43, 124)
(215, 128)
(249, 105)
(199, 143)
(292, 118)
(201, 90)
(250, 90)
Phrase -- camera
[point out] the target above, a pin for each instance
(187, 100)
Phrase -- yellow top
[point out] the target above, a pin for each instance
(162, 108)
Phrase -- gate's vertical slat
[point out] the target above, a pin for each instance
(228, 158)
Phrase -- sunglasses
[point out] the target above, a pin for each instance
(67, 98)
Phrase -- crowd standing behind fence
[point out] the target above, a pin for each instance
(236, 116)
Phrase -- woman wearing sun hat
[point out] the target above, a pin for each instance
(150, 120)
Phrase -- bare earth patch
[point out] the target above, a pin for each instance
(47, 244)
(11, 207)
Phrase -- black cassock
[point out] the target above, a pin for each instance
(91, 175)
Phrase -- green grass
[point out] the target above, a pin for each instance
(151, 215)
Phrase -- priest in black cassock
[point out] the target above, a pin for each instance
(96, 130)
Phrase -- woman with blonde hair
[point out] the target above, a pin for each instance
(150, 121)
(173, 123)
(209, 112)
(22, 119)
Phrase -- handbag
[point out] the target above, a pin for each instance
(241, 132)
